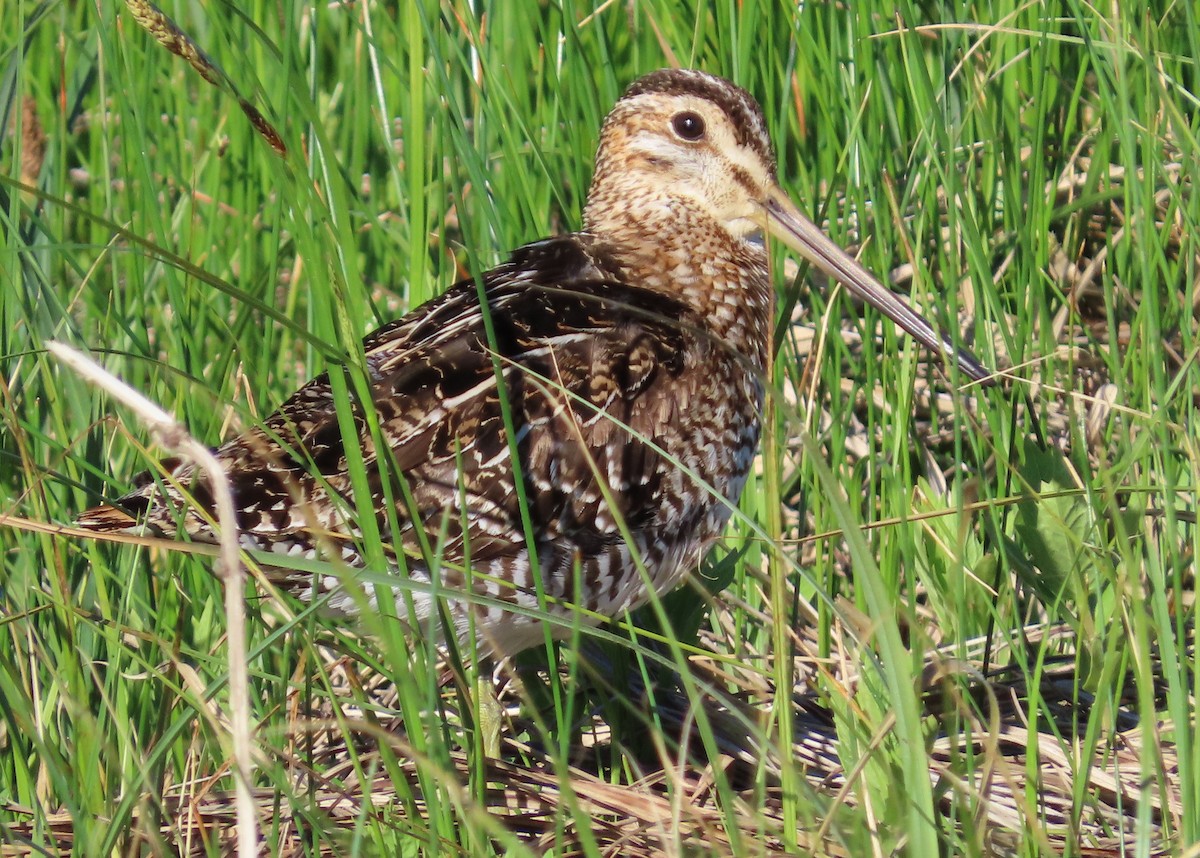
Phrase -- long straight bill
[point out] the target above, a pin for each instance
(785, 222)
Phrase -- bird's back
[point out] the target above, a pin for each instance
(633, 428)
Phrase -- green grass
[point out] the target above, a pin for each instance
(163, 234)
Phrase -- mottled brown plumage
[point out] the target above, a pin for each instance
(632, 357)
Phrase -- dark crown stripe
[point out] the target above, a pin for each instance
(743, 111)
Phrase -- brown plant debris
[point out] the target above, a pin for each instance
(169, 34)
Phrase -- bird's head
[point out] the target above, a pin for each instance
(683, 146)
(683, 143)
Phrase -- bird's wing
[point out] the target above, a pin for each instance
(588, 365)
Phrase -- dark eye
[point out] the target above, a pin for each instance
(688, 125)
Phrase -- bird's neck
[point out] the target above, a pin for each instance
(682, 253)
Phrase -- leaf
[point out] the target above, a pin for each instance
(1051, 522)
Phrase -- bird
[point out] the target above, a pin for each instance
(570, 430)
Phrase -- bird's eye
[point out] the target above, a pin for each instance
(688, 125)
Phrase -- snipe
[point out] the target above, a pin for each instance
(631, 355)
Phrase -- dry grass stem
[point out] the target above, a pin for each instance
(172, 436)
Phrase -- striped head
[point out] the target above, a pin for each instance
(687, 152)
(681, 142)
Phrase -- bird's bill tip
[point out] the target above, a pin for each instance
(785, 222)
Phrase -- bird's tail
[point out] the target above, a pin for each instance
(107, 518)
(132, 512)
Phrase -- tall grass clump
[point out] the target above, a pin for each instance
(947, 619)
